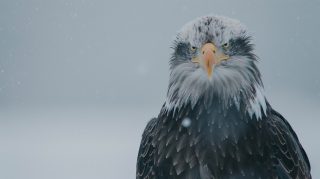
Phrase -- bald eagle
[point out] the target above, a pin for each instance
(216, 121)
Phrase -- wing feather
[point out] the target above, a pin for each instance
(290, 157)
(145, 161)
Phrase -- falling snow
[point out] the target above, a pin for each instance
(60, 57)
(186, 122)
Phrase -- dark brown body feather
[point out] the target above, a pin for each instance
(220, 143)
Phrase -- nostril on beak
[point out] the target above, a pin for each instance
(203, 52)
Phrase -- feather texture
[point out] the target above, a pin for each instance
(236, 148)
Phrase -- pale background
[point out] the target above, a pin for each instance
(79, 79)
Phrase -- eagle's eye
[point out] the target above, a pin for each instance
(193, 48)
(225, 45)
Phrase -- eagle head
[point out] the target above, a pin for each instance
(213, 59)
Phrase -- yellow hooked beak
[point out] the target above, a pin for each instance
(209, 57)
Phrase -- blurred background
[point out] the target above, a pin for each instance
(79, 79)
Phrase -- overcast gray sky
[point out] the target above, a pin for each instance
(59, 58)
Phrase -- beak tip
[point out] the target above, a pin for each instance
(210, 75)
